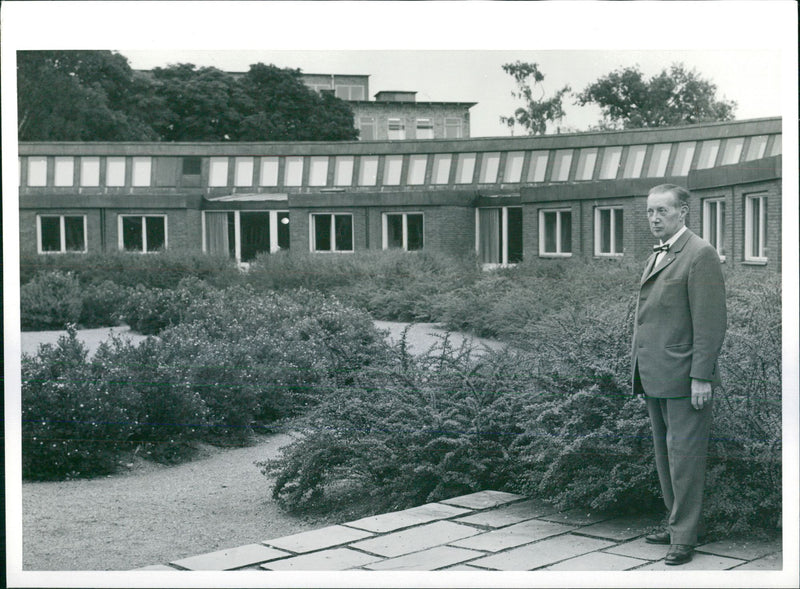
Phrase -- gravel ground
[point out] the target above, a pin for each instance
(153, 514)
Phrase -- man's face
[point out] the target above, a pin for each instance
(665, 214)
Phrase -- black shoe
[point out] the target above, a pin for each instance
(679, 554)
(658, 538)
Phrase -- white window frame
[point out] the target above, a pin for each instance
(417, 167)
(750, 224)
(719, 217)
(537, 168)
(312, 242)
(441, 168)
(243, 171)
(758, 144)
(561, 165)
(237, 230)
(90, 171)
(64, 174)
(734, 147)
(684, 155)
(634, 163)
(558, 253)
(503, 242)
(465, 163)
(318, 170)
(515, 161)
(293, 170)
(612, 230)
(270, 171)
(587, 159)
(62, 236)
(38, 165)
(115, 171)
(609, 166)
(663, 150)
(343, 170)
(141, 171)
(404, 215)
(490, 166)
(143, 217)
(708, 154)
(368, 170)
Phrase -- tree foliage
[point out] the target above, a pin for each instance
(96, 95)
(673, 97)
(538, 111)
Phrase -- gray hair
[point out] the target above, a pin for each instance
(680, 193)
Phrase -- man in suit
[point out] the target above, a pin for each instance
(680, 326)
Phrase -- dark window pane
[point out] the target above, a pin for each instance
(566, 232)
(514, 235)
(415, 232)
(283, 231)
(721, 228)
(73, 229)
(605, 231)
(155, 233)
(232, 234)
(763, 202)
(394, 231)
(344, 232)
(550, 233)
(618, 244)
(191, 166)
(51, 234)
(255, 234)
(132, 234)
(322, 233)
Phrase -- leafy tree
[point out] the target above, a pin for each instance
(537, 112)
(673, 97)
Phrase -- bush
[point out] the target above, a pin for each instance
(50, 301)
(150, 310)
(102, 304)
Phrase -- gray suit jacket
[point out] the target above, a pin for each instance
(680, 320)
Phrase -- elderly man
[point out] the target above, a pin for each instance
(680, 326)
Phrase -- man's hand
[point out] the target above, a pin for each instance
(701, 393)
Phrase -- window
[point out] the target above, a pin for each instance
(243, 171)
(659, 159)
(586, 160)
(269, 171)
(513, 171)
(683, 158)
(368, 170)
(90, 171)
(555, 232)
(610, 164)
(166, 171)
(563, 160)
(635, 161)
(755, 228)
(115, 171)
(757, 148)
(192, 166)
(343, 172)
(367, 127)
(714, 224)
(465, 168)
(441, 168)
(402, 231)
(64, 171)
(331, 232)
(608, 231)
(733, 151)
(141, 171)
(145, 233)
(417, 165)
(452, 128)
(708, 154)
(538, 166)
(424, 129)
(37, 171)
(218, 172)
(392, 170)
(243, 235)
(397, 129)
(349, 92)
(318, 171)
(490, 163)
(61, 233)
(777, 145)
(293, 172)
(499, 235)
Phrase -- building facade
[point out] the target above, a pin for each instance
(507, 199)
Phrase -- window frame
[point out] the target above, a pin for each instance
(400, 132)
(312, 238)
(385, 229)
(612, 231)
(515, 162)
(719, 214)
(587, 160)
(559, 211)
(243, 169)
(504, 241)
(761, 256)
(274, 221)
(143, 217)
(64, 169)
(38, 164)
(424, 124)
(451, 123)
(62, 234)
(146, 163)
(89, 173)
(116, 166)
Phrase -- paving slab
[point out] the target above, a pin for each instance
(231, 558)
(397, 520)
(773, 562)
(427, 560)
(578, 517)
(318, 539)
(540, 554)
(621, 528)
(597, 561)
(483, 499)
(509, 515)
(512, 536)
(415, 539)
(743, 549)
(700, 562)
(336, 559)
(157, 567)
(640, 549)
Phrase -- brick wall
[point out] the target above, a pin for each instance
(409, 113)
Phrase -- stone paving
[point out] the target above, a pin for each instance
(486, 531)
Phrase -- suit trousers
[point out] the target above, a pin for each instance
(680, 437)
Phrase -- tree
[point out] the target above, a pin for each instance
(537, 111)
(675, 97)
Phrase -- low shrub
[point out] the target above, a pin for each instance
(102, 304)
(50, 301)
(151, 310)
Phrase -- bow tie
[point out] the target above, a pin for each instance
(661, 248)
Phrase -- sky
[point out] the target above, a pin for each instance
(477, 76)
